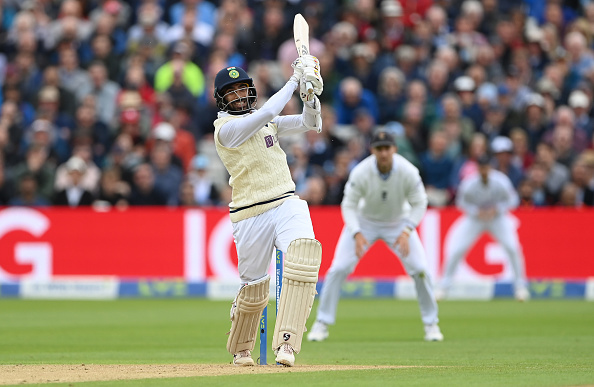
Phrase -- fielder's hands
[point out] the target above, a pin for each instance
(297, 66)
(402, 245)
(487, 214)
(361, 244)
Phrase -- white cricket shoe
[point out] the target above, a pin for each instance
(243, 358)
(522, 294)
(319, 332)
(285, 355)
(432, 333)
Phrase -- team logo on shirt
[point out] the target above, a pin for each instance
(286, 336)
(269, 141)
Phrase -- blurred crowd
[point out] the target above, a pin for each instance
(109, 102)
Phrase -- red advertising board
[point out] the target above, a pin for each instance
(197, 244)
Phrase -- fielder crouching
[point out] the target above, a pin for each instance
(264, 210)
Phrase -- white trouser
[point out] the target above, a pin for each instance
(345, 261)
(469, 230)
(256, 237)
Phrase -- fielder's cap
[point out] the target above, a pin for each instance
(200, 162)
(579, 99)
(75, 163)
(502, 144)
(382, 138)
(464, 83)
(130, 116)
(483, 160)
(164, 131)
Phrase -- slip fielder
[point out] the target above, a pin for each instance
(486, 199)
(384, 199)
(265, 212)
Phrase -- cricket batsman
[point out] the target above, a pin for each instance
(265, 212)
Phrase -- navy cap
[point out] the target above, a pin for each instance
(382, 138)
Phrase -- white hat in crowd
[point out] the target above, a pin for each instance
(164, 131)
(579, 99)
(75, 163)
(464, 83)
(502, 144)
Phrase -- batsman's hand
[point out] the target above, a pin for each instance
(310, 61)
(312, 75)
(297, 66)
(361, 245)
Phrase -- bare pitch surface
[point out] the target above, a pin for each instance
(60, 373)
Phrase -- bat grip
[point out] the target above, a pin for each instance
(309, 87)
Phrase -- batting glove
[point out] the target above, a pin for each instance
(297, 66)
(315, 78)
(310, 61)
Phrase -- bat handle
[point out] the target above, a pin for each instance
(309, 87)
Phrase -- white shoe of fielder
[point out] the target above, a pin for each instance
(432, 333)
(243, 358)
(522, 294)
(285, 355)
(319, 332)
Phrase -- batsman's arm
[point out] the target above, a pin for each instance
(236, 132)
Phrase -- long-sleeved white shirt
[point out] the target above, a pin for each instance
(473, 195)
(400, 198)
(236, 132)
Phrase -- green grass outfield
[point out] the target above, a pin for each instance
(496, 343)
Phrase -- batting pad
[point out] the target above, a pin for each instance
(246, 311)
(300, 275)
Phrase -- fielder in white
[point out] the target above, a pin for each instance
(486, 199)
(264, 210)
(384, 199)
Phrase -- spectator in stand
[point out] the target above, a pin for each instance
(190, 74)
(204, 191)
(523, 157)
(390, 94)
(113, 191)
(502, 149)
(466, 165)
(149, 25)
(89, 181)
(351, 97)
(562, 141)
(534, 120)
(104, 91)
(102, 51)
(581, 105)
(206, 12)
(72, 77)
(436, 169)
(28, 193)
(6, 188)
(557, 173)
(458, 129)
(74, 194)
(168, 176)
(144, 192)
(465, 88)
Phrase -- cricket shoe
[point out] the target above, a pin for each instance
(285, 355)
(522, 294)
(243, 358)
(319, 332)
(432, 333)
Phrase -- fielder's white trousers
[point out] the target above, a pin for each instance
(345, 261)
(257, 237)
(470, 229)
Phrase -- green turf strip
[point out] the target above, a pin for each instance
(540, 343)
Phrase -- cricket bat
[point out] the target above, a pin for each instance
(301, 35)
